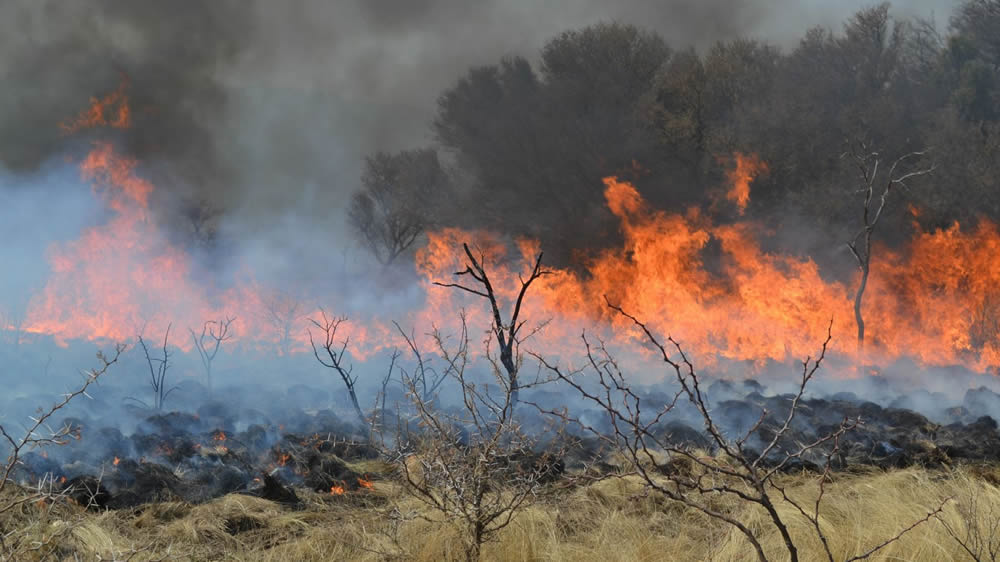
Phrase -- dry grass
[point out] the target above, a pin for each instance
(610, 520)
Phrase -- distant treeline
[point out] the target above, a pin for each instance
(521, 148)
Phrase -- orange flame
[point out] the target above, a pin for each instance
(365, 483)
(336, 490)
(219, 436)
(110, 111)
(116, 461)
(711, 286)
(746, 168)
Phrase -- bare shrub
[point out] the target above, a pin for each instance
(39, 434)
(687, 475)
(977, 526)
(474, 466)
(158, 365)
(209, 341)
(508, 334)
(332, 355)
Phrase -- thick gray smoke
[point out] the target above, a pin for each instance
(264, 109)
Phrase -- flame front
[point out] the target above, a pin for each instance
(709, 285)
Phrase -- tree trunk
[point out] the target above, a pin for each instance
(357, 408)
(859, 319)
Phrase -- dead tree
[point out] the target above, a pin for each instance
(683, 474)
(474, 465)
(425, 378)
(876, 189)
(331, 357)
(507, 333)
(213, 333)
(977, 530)
(40, 434)
(384, 392)
(157, 373)
(282, 311)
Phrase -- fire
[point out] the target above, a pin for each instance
(116, 461)
(110, 111)
(336, 490)
(283, 459)
(219, 436)
(712, 286)
(366, 484)
(746, 168)
(934, 300)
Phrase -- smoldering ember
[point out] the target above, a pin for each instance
(507, 281)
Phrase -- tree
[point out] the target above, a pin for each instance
(474, 465)
(876, 189)
(158, 366)
(394, 206)
(282, 311)
(538, 142)
(508, 334)
(686, 475)
(213, 333)
(978, 22)
(333, 358)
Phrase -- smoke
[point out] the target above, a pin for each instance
(261, 108)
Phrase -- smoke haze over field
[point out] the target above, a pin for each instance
(265, 107)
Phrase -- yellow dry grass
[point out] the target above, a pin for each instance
(611, 520)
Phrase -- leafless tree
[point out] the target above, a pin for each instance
(507, 333)
(40, 434)
(475, 466)
(158, 367)
(424, 377)
(979, 530)
(876, 188)
(380, 398)
(328, 355)
(690, 477)
(282, 311)
(213, 333)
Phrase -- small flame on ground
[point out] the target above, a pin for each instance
(336, 490)
(365, 483)
(116, 461)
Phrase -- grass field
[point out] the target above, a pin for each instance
(602, 521)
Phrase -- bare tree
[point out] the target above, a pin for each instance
(282, 311)
(332, 358)
(876, 188)
(425, 378)
(213, 333)
(380, 398)
(157, 372)
(683, 474)
(40, 434)
(507, 333)
(978, 528)
(475, 465)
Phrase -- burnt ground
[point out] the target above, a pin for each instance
(219, 449)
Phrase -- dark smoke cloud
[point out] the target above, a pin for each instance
(266, 109)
